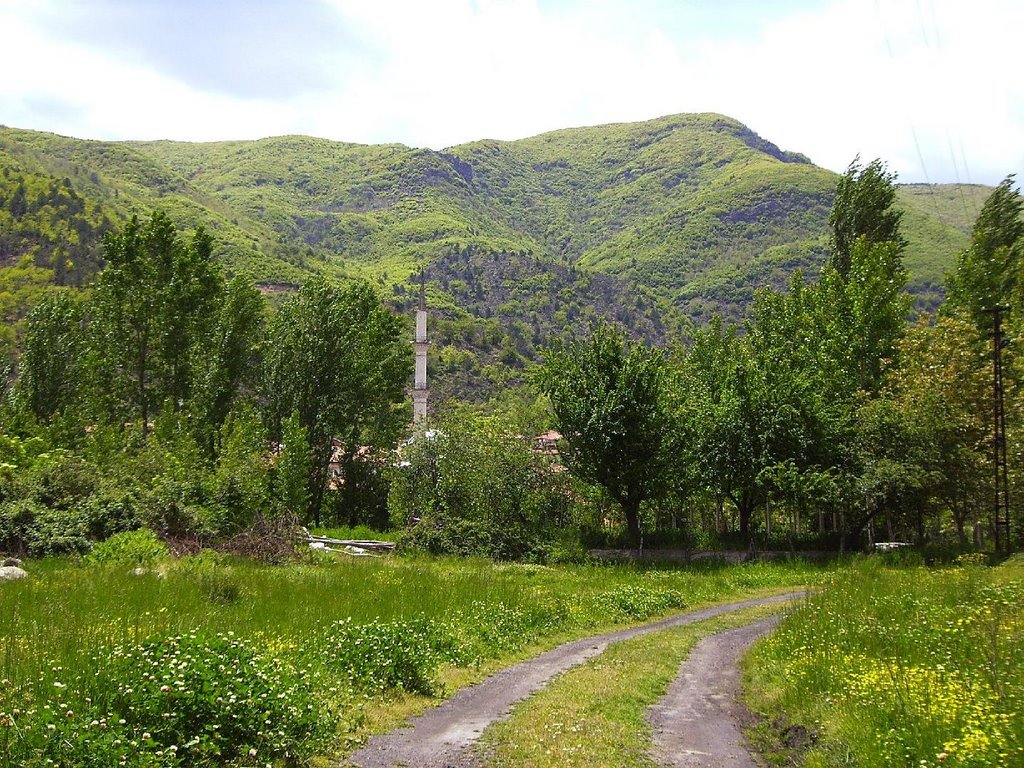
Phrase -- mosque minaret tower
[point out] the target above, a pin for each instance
(420, 391)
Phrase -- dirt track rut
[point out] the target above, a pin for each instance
(440, 737)
(697, 724)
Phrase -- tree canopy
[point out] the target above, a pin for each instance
(610, 402)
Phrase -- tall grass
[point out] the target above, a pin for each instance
(903, 667)
(336, 632)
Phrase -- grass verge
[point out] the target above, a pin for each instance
(898, 667)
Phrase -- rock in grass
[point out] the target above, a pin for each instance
(12, 573)
(11, 561)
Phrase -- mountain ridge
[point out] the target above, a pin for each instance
(691, 213)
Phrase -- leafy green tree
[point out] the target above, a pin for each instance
(863, 210)
(51, 366)
(336, 357)
(471, 485)
(610, 402)
(153, 304)
(241, 478)
(293, 469)
(227, 361)
(861, 315)
(730, 419)
(942, 386)
(988, 273)
(893, 474)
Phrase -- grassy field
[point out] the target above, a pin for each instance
(898, 667)
(202, 661)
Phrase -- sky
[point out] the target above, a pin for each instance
(932, 87)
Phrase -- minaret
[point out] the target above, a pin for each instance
(420, 391)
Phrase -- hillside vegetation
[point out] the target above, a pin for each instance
(648, 224)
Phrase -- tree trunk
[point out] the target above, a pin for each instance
(958, 521)
(143, 398)
(631, 509)
(318, 479)
(746, 509)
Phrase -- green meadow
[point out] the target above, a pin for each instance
(206, 661)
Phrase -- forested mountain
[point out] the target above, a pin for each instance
(650, 223)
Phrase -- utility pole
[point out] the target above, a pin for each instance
(1001, 493)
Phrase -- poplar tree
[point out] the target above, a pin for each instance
(336, 359)
(153, 305)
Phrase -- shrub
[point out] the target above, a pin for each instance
(640, 602)
(475, 488)
(379, 656)
(193, 699)
(60, 480)
(17, 519)
(169, 507)
(132, 548)
(27, 526)
(496, 627)
(109, 512)
(213, 696)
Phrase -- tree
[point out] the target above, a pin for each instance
(335, 358)
(861, 315)
(50, 371)
(471, 485)
(153, 305)
(863, 210)
(227, 358)
(736, 426)
(988, 271)
(942, 385)
(610, 402)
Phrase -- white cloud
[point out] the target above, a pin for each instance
(830, 80)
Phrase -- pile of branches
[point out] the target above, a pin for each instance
(268, 540)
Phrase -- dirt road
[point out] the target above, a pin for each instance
(440, 737)
(697, 723)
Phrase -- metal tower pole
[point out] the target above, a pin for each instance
(1001, 484)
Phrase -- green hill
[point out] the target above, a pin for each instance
(649, 223)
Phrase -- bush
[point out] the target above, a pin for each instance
(17, 520)
(29, 527)
(109, 512)
(132, 548)
(497, 627)
(381, 656)
(212, 696)
(60, 480)
(169, 507)
(474, 488)
(640, 602)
